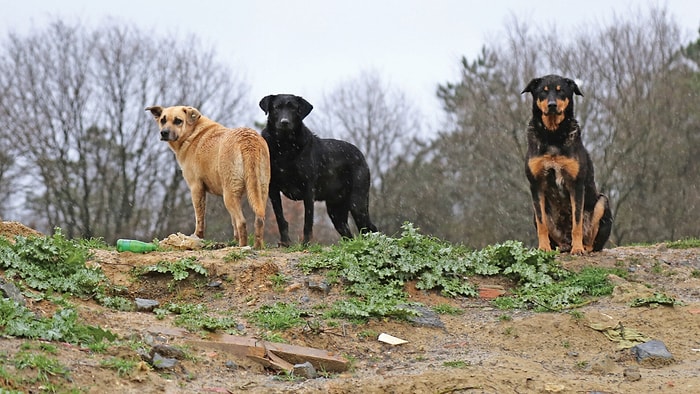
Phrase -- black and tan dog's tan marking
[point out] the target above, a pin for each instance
(218, 160)
(570, 213)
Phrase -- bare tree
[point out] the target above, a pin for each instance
(79, 96)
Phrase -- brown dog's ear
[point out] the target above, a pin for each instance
(156, 111)
(304, 107)
(532, 85)
(265, 103)
(192, 115)
(573, 86)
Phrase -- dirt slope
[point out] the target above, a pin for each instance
(483, 350)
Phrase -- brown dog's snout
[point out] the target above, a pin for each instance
(165, 135)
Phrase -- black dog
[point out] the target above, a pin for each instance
(569, 212)
(306, 167)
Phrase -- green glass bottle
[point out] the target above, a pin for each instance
(131, 245)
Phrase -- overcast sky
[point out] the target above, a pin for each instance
(307, 47)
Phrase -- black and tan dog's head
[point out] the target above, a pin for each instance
(553, 99)
(174, 122)
(285, 112)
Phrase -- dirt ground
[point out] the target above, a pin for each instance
(483, 350)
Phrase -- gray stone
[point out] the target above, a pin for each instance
(160, 362)
(652, 353)
(145, 305)
(9, 290)
(231, 365)
(167, 351)
(426, 317)
(305, 370)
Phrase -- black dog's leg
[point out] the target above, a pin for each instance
(338, 212)
(282, 225)
(308, 216)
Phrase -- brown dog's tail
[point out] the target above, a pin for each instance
(256, 162)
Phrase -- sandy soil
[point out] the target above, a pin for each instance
(483, 350)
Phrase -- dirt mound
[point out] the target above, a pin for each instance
(12, 229)
(481, 350)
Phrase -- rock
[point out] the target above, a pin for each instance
(632, 374)
(231, 365)
(320, 286)
(305, 370)
(426, 317)
(652, 354)
(145, 305)
(167, 351)
(160, 362)
(9, 290)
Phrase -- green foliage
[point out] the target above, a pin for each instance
(568, 293)
(196, 317)
(51, 264)
(45, 367)
(19, 321)
(123, 367)
(447, 309)
(655, 300)
(377, 267)
(456, 364)
(117, 303)
(236, 254)
(180, 270)
(685, 243)
(279, 316)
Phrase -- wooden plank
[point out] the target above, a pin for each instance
(290, 354)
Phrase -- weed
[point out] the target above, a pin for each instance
(685, 243)
(447, 309)
(377, 267)
(655, 300)
(566, 344)
(695, 273)
(273, 337)
(576, 315)
(509, 331)
(180, 269)
(195, 317)
(456, 364)
(279, 316)
(505, 317)
(657, 268)
(117, 303)
(51, 264)
(45, 367)
(279, 281)
(236, 255)
(123, 367)
(19, 321)
(581, 364)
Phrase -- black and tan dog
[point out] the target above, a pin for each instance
(218, 160)
(570, 213)
(306, 167)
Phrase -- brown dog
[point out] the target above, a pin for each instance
(215, 159)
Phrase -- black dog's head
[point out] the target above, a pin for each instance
(285, 111)
(552, 99)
